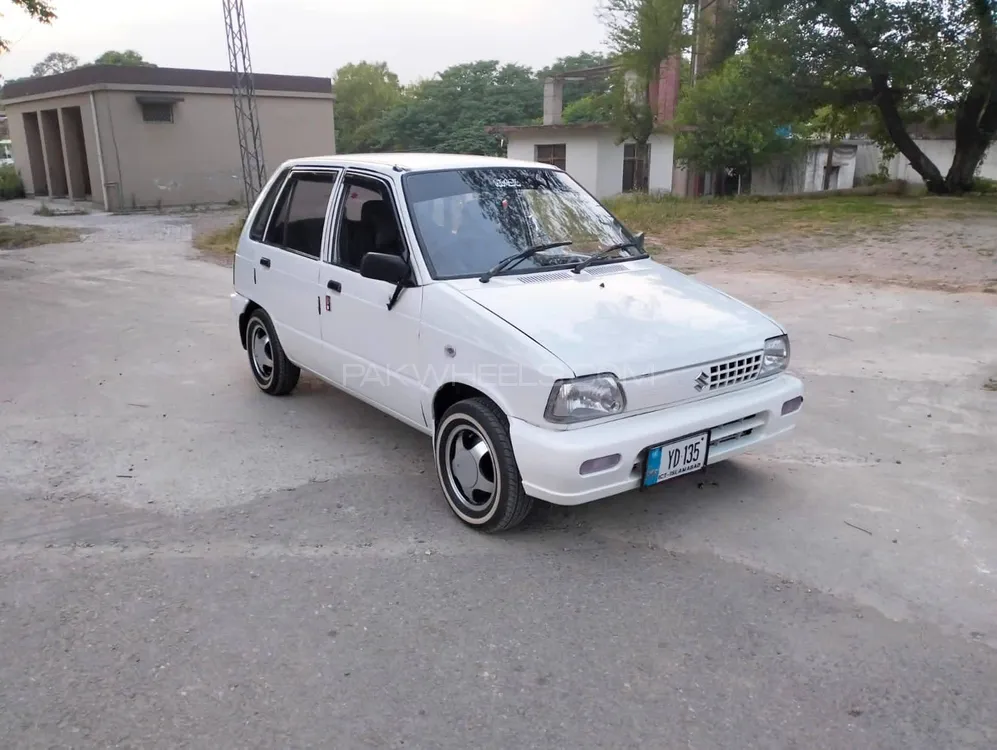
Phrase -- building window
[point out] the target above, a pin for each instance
(157, 111)
(636, 167)
(554, 154)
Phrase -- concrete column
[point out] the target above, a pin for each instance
(665, 90)
(45, 154)
(553, 101)
(633, 88)
(67, 165)
(36, 181)
(55, 164)
(75, 151)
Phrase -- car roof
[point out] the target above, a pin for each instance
(413, 162)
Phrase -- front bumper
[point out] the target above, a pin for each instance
(550, 460)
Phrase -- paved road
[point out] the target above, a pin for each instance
(186, 563)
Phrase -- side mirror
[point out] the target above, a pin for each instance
(639, 241)
(384, 267)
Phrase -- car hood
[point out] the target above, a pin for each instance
(632, 318)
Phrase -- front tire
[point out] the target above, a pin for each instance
(477, 467)
(273, 372)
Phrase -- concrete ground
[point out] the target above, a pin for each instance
(187, 563)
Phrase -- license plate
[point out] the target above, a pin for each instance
(676, 458)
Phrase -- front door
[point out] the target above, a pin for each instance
(378, 347)
(291, 259)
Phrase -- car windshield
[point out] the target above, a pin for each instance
(467, 220)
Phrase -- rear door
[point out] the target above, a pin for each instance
(289, 263)
(246, 269)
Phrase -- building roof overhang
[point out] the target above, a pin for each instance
(143, 78)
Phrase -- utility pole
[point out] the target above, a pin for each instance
(254, 171)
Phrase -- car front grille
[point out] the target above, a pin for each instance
(731, 372)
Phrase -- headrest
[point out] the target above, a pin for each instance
(386, 238)
(374, 211)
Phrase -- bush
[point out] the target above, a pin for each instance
(984, 186)
(11, 184)
(875, 178)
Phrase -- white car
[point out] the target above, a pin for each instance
(499, 308)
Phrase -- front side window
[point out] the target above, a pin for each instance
(367, 221)
(299, 217)
(467, 220)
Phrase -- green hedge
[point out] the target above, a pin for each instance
(11, 184)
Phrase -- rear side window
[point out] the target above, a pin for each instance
(260, 220)
(299, 216)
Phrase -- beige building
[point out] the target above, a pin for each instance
(139, 137)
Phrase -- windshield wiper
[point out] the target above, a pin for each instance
(578, 267)
(512, 260)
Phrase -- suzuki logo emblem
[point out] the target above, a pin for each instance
(702, 381)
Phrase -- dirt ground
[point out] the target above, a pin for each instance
(953, 255)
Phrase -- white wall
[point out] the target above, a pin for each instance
(940, 152)
(593, 158)
(806, 175)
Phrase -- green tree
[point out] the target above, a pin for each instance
(641, 35)
(128, 57)
(736, 116)
(55, 62)
(590, 108)
(451, 112)
(365, 92)
(40, 10)
(912, 60)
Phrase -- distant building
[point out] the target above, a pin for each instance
(135, 137)
(589, 152)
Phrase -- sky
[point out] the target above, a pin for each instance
(417, 38)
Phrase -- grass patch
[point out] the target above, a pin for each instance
(220, 241)
(14, 236)
(45, 210)
(749, 220)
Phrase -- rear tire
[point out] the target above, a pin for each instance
(273, 372)
(477, 467)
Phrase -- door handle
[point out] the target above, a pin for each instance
(334, 286)
(265, 262)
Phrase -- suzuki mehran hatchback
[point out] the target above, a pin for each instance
(498, 307)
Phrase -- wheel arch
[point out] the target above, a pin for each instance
(450, 393)
(247, 311)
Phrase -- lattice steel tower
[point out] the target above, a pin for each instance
(254, 171)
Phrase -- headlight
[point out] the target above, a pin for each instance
(775, 358)
(585, 398)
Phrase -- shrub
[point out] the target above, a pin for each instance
(11, 184)
(984, 186)
(875, 178)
